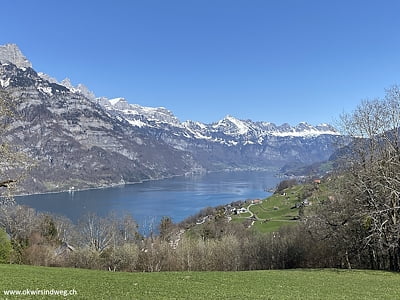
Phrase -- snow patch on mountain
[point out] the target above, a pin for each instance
(78, 89)
(46, 90)
(148, 115)
(47, 77)
(232, 126)
(304, 129)
(136, 123)
(5, 82)
(196, 129)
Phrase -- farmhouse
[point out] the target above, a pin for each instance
(242, 210)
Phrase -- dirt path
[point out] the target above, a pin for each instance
(253, 214)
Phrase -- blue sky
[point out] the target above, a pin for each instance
(278, 61)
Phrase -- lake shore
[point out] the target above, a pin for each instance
(178, 197)
(113, 185)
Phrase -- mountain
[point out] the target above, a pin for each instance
(231, 143)
(82, 140)
(76, 142)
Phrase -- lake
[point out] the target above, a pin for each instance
(178, 197)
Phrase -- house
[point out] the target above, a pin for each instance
(242, 210)
(317, 181)
(256, 201)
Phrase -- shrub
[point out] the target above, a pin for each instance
(85, 258)
(121, 258)
(5, 247)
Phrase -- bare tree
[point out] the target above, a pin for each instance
(18, 221)
(66, 230)
(373, 174)
(98, 233)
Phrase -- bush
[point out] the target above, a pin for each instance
(5, 247)
(121, 258)
(85, 258)
(38, 251)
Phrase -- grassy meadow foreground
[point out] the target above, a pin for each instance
(273, 284)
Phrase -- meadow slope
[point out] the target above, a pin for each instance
(275, 284)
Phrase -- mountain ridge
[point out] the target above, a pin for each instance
(10, 53)
(239, 126)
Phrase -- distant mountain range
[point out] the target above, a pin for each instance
(85, 141)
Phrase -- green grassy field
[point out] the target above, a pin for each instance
(277, 284)
(279, 209)
(275, 211)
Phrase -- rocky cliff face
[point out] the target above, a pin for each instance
(83, 141)
(76, 142)
(10, 53)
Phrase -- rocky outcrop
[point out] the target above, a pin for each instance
(10, 53)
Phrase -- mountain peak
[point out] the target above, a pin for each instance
(67, 83)
(10, 53)
(232, 125)
(119, 103)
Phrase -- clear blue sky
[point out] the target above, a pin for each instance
(278, 61)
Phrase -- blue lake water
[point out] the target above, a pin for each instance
(178, 197)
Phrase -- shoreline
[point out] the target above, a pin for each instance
(113, 185)
(98, 187)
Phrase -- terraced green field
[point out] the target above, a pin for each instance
(276, 284)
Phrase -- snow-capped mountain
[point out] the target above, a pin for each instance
(230, 142)
(242, 131)
(139, 115)
(82, 140)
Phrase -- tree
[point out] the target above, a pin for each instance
(128, 229)
(372, 168)
(48, 229)
(18, 221)
(166, 228)
(98, 233)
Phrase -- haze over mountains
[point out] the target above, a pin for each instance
(85, 141)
